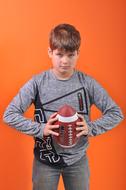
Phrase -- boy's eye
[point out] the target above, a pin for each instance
(59, 54)
(71, 55)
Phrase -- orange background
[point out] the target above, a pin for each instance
(25, 25)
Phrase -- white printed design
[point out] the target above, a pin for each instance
(38, 116)
(70, 135)
(46, 150)
(67, 119)
(44, 147)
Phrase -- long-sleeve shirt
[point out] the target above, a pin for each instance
(48, 94)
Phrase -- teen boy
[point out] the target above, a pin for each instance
(50, 90)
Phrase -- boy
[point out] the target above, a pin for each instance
(48, 91)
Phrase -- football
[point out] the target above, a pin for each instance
(66, 119)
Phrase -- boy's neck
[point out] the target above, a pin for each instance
(62, 76)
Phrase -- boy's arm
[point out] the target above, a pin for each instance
(111, 113)
(13, 115)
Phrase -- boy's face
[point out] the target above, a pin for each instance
(63, 62)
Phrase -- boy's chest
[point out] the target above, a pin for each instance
(53, 95)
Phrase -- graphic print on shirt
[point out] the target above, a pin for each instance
(44, 149)
(78, 97)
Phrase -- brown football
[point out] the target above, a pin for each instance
(67, 118)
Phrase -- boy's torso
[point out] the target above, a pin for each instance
(52, 94)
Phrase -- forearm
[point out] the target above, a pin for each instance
(109, 120)
(14, 113)
(23, 124)
(15, 119)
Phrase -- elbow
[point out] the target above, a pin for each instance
(120, 115)
(5, 118)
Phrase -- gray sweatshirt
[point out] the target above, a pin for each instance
(48, 93)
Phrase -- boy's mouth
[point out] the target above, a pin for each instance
(65, 67)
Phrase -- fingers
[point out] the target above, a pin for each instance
(50, 128)
(82, 127)
(51, 121)
(81, 123)
(80, 116)
(52, 118)
(53, 127)
(53, 115)
(82, 120)
(82, 130)
(51, 132)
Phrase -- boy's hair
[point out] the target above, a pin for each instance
(64, 37)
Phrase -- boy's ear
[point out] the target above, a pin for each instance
(49, 52)
(78, 51)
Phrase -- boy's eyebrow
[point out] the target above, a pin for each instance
(66, 52)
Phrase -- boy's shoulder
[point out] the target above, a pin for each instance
(89, 81)
(86, 77)
(40, 76)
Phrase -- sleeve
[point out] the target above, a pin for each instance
(111, 112)
(13, 115)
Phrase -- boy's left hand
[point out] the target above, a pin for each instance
(82, 127)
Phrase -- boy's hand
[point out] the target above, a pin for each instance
(48, 129)
(82, 127)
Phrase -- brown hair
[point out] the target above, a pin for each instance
(64, 37)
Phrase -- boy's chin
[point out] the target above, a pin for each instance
(66, 70)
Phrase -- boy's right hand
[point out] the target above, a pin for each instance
(48, 129)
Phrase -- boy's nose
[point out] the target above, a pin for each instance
(65, 59)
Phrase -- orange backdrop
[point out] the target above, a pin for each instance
(25, 25)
